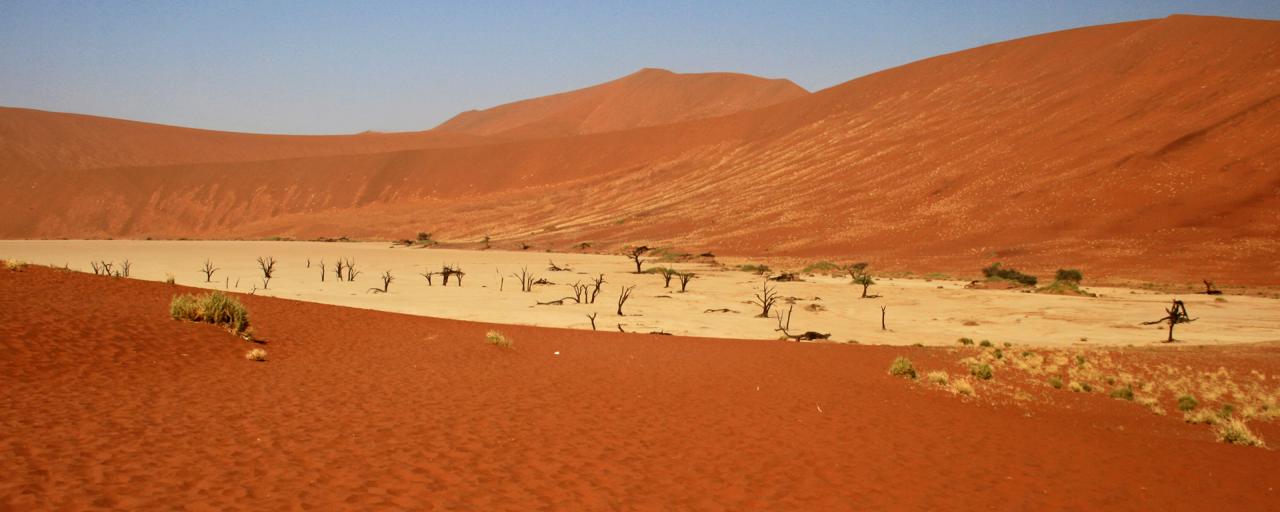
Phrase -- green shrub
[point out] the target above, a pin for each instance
(1069, 275)
(982, 371)
(214, 307)
(753, 268)
(985, 344)
(966, 341)
(999, 354)
(995, 271)
(902, 367)
(1124, 393)
(1187, 403)
(1056, 382)
(822, 267)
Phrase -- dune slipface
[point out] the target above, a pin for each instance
(110, 403)
(1099, 148)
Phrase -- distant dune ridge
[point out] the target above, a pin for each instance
(1148, 149)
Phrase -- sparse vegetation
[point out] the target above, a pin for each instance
(962, 386)
(758, 269)
(497, 339)
(902, 367)
(1187, 403)
(214, 307)
(636, 253)
(1235, 431)
(982, 371)
(938, 377)
(1056, 382)
(1122, 393)
(821, 267)
(997, 272)
(966, 341)
(256, 354)
(985, 344)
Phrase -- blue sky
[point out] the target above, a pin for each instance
(342, 67)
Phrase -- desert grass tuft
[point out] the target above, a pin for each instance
(497, 339)
(1122, 393)
(1187, 403)
(982, 371)
(939, 377)
(965, 341)
(1235, 431)
(214, 307)
(962, 386)
(902, 367)
(256, 354)
(1056, 382)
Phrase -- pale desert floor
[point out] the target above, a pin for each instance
(918, 311)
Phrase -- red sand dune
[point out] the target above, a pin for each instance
(1146, 149)
(109, 403)
(648, 97)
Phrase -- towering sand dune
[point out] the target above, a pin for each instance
(648, 97)
(1144, 149)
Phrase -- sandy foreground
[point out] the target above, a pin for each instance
(931, 312)
(111, 404)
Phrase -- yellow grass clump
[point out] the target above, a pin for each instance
(497, 339)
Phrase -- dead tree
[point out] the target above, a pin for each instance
(635, 253)
(556, 268)
(308, 262)
(1174, 315)
(882, 309)
(447, 271)
(592, 316)
(208, 271)
(622, 297)
(685, 277)
(322, 271)
(526, 279)
(337, 268)
(387, 278)
(106, 267)
(784, 325)
(97, 267)
(428, 275)
(1209, 288)
(351, 270)
(268, 267)
(667, 274)
(124, 268)
(765, 299)
(595, 289)
(580, 292)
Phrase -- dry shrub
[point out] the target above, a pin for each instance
(256, 354)
(1235, 431)
(214, 307)
(496, 339)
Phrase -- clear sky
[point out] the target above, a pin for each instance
(335, 67)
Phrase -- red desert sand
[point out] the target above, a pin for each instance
(110, 403)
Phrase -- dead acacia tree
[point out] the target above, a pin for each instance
(685, 277)
(635, 253)
(447, 271)
(1209, 289)
(526, 279)
(338, 266)
(106, 267)
(387, 278)
(208, 271)
(592, 316)
(268, 267)
(622, 297)
(124, 268)
(351, 270)
(882, 309)
(667, 274)
(595, 288)
(784, 326)
(97, 267)
(1174, 315)
(322, 272)
(552, 267)
(427, 275)
(767, 297)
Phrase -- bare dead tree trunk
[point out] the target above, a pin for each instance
(596, 283)
(592, 316)
(322, 272)
(526, 279)
(268, 267)
(124, 268)
(765, 299)
(622, 298)
(208, 270)
(882, 327)
(1174, 315)
(337, 269)
(685, 277)
(387, 278)
(352, 273)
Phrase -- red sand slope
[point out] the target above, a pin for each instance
(1145, 149)
(109, 403)
(648, 97)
